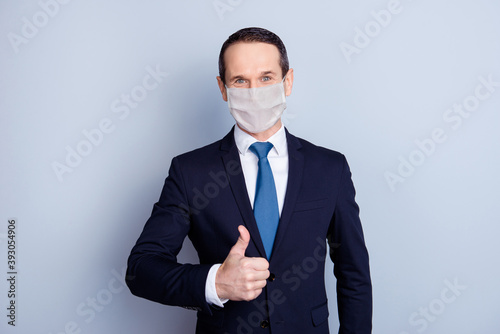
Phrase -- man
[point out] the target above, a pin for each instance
(258, 206)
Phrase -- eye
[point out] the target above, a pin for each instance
(239, 81)
(266, 78)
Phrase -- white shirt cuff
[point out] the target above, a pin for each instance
(210, 290)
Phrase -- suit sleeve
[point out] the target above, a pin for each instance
(350, 258)
(153, 271)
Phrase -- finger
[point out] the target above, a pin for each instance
(261, 275)
(257, 292)
(242, 243)
(260, 284)
(257, 263)
(251, 295)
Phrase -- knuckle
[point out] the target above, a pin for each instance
(263, 265)
(245, 262)
(250, 277)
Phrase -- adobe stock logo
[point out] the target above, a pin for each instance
(428, 145)
(292, 278)
(122, 107)
(89, 309)
(425, 315)
(31, 27)
(223, 6)
(363, 37)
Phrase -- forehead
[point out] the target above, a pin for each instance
(251, 57)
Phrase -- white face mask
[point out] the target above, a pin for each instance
(257, 109)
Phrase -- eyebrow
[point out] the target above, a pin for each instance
(268, 72)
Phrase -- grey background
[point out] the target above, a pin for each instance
(439, 225)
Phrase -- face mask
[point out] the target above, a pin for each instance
(257, 109)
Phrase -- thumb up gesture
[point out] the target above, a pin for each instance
(241, 277)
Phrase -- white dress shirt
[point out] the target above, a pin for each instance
(278, 159)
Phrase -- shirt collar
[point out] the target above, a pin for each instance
(244, 140)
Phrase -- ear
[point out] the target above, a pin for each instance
(289, 82)
(222, 88)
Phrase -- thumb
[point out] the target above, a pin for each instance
(241, 245)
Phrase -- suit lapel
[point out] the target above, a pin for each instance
(295, 169)
(231, 158)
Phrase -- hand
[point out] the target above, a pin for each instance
(240, 277)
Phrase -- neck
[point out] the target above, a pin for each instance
(264, 135)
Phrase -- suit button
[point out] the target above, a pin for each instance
(264, 324)
(271, 277)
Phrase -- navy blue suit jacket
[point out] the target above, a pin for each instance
(205, 198)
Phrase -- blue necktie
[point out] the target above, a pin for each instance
(265, 207)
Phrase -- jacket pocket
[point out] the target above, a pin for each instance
(310, 205)
(319, 314)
